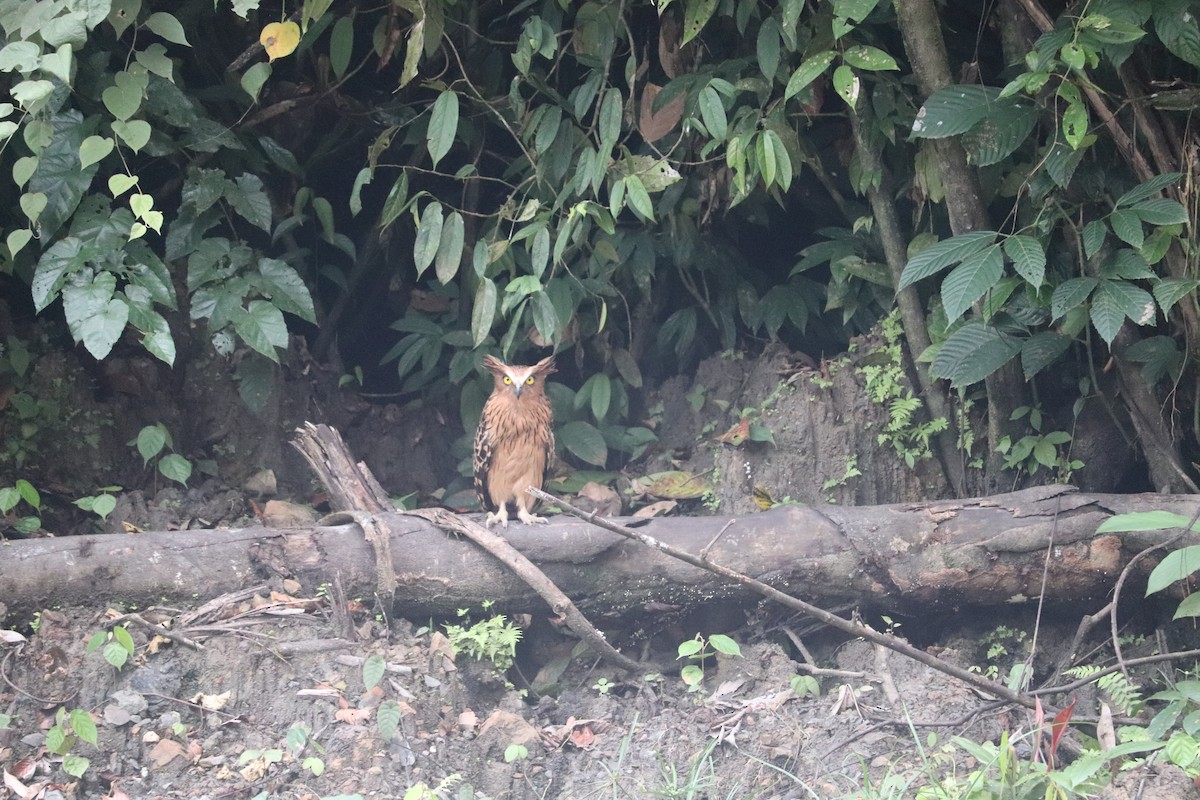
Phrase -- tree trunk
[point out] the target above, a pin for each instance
(903, 558)
(921, 30)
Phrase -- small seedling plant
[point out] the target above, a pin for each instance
(118, 645)
(12, 496)
(698, 651)
(69, 728)
(494, 639)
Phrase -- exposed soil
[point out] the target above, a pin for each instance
(225, 720)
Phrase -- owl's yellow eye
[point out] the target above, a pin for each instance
(507, 380)
(529, 381)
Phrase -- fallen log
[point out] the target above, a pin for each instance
(905, 557)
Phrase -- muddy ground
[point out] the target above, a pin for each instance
(266, 696)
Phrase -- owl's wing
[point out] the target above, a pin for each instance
(481, 462)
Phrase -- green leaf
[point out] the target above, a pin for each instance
(249, 199)
(1094, 234)
(712, 113)
(341, 46)
(973, 352)
(255, 77)
(135, 133)
(1028, 257)
(450, 247)
(75, 765)
(967, 282)
(1127, 225)
(1132, 301)
(869, 58)
(373, 668)
(1069, 294)
(483, 311)
(150, 442)
(1041, 350)
(584, 442)
(539, 252)
(1106, 313)
(1169, 291)
(286, 288)
(1075, 123)
(689, 648)
(545, 316)
(176, 468)
(954, 109)
(28, 493)
(261, 326)
(429, 237)
(167, 26)
(1000, 133)
(93, 149)
(83, 725)
(937, 257)
(443, 125)
(807, 72)
(723, 644)
(1190, 607)
(639, 199)
(1175, 24)
(696, 14)
(847, 85)
(1148, 188)
(600, 391)
(95, 316)
(1177, 565)
(155, 59)
(1161, 211)
(610, 120)
(767, 48)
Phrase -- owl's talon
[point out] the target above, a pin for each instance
(500, 516)
(530, 519)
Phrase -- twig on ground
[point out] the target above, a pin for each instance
(155, 628)
(525, 569)
(832, 620)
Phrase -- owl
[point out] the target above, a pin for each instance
(515, 440)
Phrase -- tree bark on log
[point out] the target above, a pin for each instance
(904, 558)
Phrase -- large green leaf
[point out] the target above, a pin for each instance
(973, 352)
(937, 257)
(712, 113)
(1169, 291)
(286, 288)
(450, 247)
(429, 237)
(1070, 294)
(1175, 24)
(1177, 565)
(59, 175)
(1161, 211)
(249, 199)
(1148, 188)
(64, 258)
(1028, 257)
(483, 311)
(696, 14)
(955, 109)
(1127, 225)
(1041, 350)
(261, 326)
(96, 318)
(967, 282)
(443, 125)
(1002, 131)
(584, 441)
(807, 72)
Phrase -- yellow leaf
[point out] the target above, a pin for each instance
(279, 39)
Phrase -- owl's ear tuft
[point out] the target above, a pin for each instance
(545, 366)
(493, 364)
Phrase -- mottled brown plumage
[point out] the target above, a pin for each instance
(515, 440)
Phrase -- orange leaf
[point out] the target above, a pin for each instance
(279, 39)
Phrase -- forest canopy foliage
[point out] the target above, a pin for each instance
(641, 183)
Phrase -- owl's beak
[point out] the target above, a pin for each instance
(517, 387)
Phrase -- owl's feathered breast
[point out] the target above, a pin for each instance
(514, 441)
